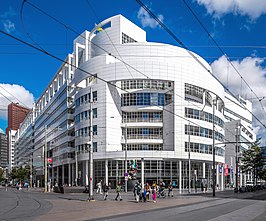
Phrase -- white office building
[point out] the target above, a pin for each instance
(127, 98)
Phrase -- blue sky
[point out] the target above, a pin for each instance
(239, 28)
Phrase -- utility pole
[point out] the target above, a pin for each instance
(31, 157)
(189, 161)
(213, 148)
(126, 174)
(91, 148)
(45, 161)
(236, 149)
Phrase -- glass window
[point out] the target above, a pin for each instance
(94, 112)
(94, 129)
(94, 145)
(94, 96)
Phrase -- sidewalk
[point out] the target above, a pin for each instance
(74, 206)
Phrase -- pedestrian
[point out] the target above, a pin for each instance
(153, 192)
(137, 191)
(105, 191)
(144, 194)
(202, 187)
(148, 191)
(118, 191)
(170, 189)
(99, 187)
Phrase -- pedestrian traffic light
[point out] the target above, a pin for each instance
(49, 162)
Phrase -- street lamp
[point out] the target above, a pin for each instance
(45, 162)
(236, 151)
(189, 161)
(213, 147)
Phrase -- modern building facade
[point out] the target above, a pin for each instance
(3, 151)
(128, 100)
(16, 115)
(239, 136)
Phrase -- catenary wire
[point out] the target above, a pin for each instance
(187, 49)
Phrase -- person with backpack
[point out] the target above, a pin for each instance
(118, 191)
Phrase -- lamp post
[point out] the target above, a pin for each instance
(189, 161)
(45, 162)
(126, 175)
(213, 147)
(236, 152)
(91, 148)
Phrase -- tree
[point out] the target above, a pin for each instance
(20, 173)
(252, 161)
(1, 174)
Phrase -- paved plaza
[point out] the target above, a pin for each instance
(36, 205)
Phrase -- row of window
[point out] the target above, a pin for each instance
(146, 84)
(134, 147)
(85, 115)
(202, 115)
(203, 148)
(84, 132)
(149, 99)
(144, 133)
(202, 132)
(84, 148)
(86, 99)
(142, 117)
(195, 94)
(127, 39)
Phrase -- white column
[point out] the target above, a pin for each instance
(245, 179)
(180, 176)
(241, 177)
(69, 174)
(63, 174)
(222, 182)
(57, 175)
(142, 172)
(217, 175)
(87, 172)
(52, 176)
(73, 172)
(106, 172)
(204, 170)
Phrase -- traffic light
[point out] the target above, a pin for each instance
(49, 162)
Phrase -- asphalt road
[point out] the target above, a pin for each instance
(218, 210)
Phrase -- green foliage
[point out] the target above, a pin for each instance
(1, 174)
(252, 161)
(20, 173)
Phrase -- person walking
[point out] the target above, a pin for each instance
(118, 191)
(170, 189)
(99, 187)
(137, 191)
(105, 191)
(153, 192)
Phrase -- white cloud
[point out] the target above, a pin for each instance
(254, 74)
(1, 131)
(251, 8)
(17, 91)
(146, 20)
(8, 24)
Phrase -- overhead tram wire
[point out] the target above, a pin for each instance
(189, 52)
(12, 96)
(120, 59)
(52, 17)
(23, 26)
(78, 68)
(222, 51)
(113, 56)
(109, 37)
(74, 31)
